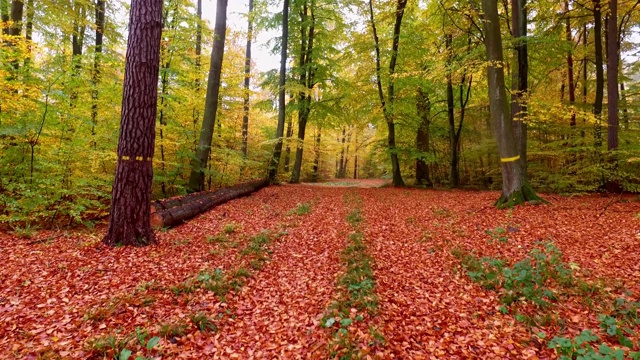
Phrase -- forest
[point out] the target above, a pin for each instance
(416, 179)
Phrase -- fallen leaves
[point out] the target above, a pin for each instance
(56, 296)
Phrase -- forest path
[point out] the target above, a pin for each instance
(277, 312)
(426, 309)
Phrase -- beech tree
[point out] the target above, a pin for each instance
(515, 189)
(196, 178)
(247, 80)
(129, 219)
(277, 150)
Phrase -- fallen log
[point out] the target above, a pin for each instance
(172, 212)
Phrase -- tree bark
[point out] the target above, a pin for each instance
(97, 58)
(597, 104)
(197, 176)
(308, 81)
(387, 104)
(316, 158)
(515, 189)
(520, 81)
(570, 67)
(277, 150)
(129, 219)
(247, 80)
(4, 14)
(172, 212)
(29, 33)
(423, 105)
(77, 45)
(198, 66)
(454, 177)
(612, 76)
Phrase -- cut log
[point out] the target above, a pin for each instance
(172, 212)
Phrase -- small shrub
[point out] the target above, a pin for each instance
(229, 228)
(173, 330)
(301, 209)
(218, 239)
(203, 323)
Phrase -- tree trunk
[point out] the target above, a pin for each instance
(453, 157)
(612, 76)
(277, 151)
(515, 189)
(340, 172)
(16, 28)
(174, 212)
(423, 105)
(129, 219)
(196, 179)
(316, 159)
(570, 68)
(355, 158)
(247, 80)
(77, 44)
(520, 81)
(29, 33)
(309, 83)
(387, 105)
(597, 104)
(97, 57)
(198, 65)
(287, 153)
(625, 106)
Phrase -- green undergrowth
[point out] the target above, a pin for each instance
(540, 281)
(355, 290)
(121, 347)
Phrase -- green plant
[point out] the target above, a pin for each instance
(355, 217)
(215, 282)
(203, 323)
(110, 344)
(499, 234)
(583, 347)
(229, 228)
(218, 239)
(186, 287)
(172, 330)
(301, 209)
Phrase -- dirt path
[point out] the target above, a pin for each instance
(278, 311)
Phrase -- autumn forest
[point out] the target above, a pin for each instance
(410, 179)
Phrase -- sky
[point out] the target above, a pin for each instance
(236, 20)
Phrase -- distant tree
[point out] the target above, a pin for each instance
(277, 151)
(612, 76)
(129, 219)
(196, 179)
(247, 80)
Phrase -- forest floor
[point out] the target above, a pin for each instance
(317, 272)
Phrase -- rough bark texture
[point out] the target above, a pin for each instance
(4, 14)
(612, 76)
(515, 189)
(172, 212)
(247, 80)
(387, 104)
(196, 178)
(129, 219)
(277, 150)
(423, 105)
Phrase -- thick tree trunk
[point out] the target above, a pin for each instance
(29, 33)
(612, 76)
(247, 80)
(277, 151)
(597, 104)
(77, 45)
(454, 175)
(340, 172)
(17, 7)
(129, 219)
(172, 212)
(423, 105)
(97, 58)
(520, 81)
(515, 189)
(198, 66)
(196, 179)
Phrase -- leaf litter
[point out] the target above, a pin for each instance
(58, 295)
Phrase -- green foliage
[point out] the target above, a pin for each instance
(172, 330)
(301, 209)
(499, 234)
(229, 228)
(531, 278)
(583, 347)
(203, 323)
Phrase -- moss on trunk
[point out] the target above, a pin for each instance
(519, 197)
